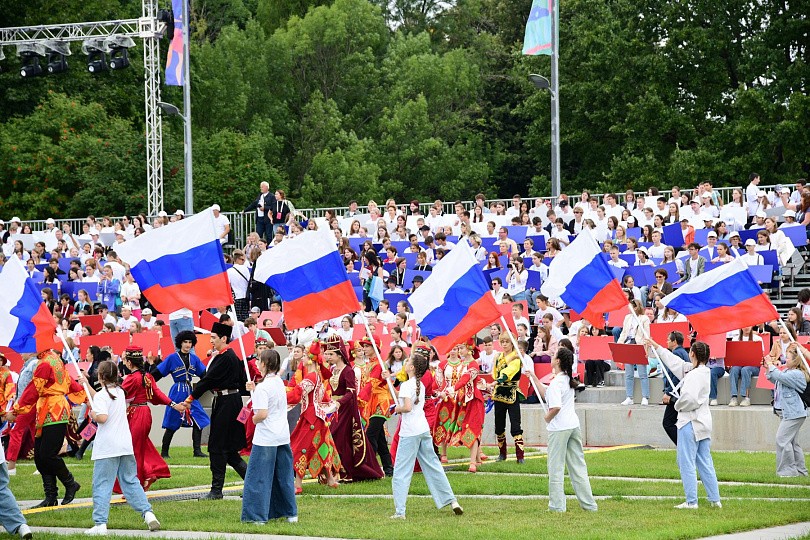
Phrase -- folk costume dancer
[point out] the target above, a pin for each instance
(311, 441)
(363, 356)
(470, 406)
(51, 393)
(446, 425)
(225, 378)
(8, 392)
(506, 397)
(183, 365)
(21, 436)
(377, 403)
(358, 462)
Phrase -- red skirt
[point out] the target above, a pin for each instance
(313, 449)
(151, 466)
(470, 423)
(445, 422)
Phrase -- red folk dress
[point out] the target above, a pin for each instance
(151, 466)
(374, 396)
(250, 427)
(445, 424)
(471, 407)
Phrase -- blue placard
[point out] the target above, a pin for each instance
(517, 233)
(401, 246)
(534, 281)
(394, 299)
(629, 259)
(672, 271)
(618, 273)
(73, 287)
(750, 233)
(410, 258)
(407, 283)
(701, 236)
(763, 273)
(539, 242)
(358, 292)
(41, 267)
(354, 279)
(488, 243)
(797, 235)
(672, 235)
(357, 244)
(633, 232)
(496, 272)
(642, 275)
(64, 264)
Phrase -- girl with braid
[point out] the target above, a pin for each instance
(416, 443)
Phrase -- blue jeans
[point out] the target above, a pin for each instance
(694, 455)
(105, 471)
(409, 450)
(717, 373)
(629, 375)
(269, 491)
(178, 325)
(10, 515)
(744, 373)
(522, 295)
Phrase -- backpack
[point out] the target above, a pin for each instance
(805, 395)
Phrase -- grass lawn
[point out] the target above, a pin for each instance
(323, 512)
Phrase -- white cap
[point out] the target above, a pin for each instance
(750, 242)
(706, 196)
(761, 214)
(734, 233)
(215, 207)
(785, 190)
(119, 233)
(695, 200)
(15, 218)
(146, 311)
(94, 232)
(791, 214)
(163, 213)
(179, 213)
(2, 222)
(711, 234)
(255, 309)
(631, 219)
(644, 249)
(50, 221)
(707, 217)
(761, 193)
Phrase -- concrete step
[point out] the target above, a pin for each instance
(615, 378)
(607, 394)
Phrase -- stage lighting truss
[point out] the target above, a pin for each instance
(30, 54)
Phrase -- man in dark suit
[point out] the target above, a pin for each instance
(261, 204)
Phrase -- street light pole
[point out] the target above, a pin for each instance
(189, 183)
(555, 103)
(544, 84)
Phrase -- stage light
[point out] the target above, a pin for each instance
(118, 47)
(57, 53)
(29, 54)
(96, 51)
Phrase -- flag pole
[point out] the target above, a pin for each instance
(75, 364)
(517, 350)
(661, 364)
(241, 346)
(377, 352)
(799, 347)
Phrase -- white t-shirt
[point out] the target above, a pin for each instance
(148, 324)
(113, 438)
(118, 270)
(273, 430)
(220, 222)
(239, 277)
(487, 361)
(559, 394)
(414, 422)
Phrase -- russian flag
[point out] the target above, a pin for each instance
(180, 265)
(582, 278)
(454, 302)
(308, 273)
(26, 325)
(723, 299)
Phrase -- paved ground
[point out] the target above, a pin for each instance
(773, 533)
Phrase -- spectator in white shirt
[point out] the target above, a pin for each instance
(147, 319)
(497, 290)
(614, 260)
(752, 193)
(656, 251)
(221, 224)
(125, 322)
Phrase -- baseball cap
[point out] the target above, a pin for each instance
(750, 242)
(706, 196)
(15, 218)
(711, 234)
(2, 222)
(50, 221)
(761, 214)
(94, 233)
(695, 200)
(255, 309)
(146, 311)
(761, 193)
(179, 213)
(215, 207)
(734, 233)
(785, 190)
(631, 219)
(644, 249)
(163, 213)
(790, 214)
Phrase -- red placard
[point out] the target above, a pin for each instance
(766, 340)
(762, 380)
(803, 340)
(166, 345)
(94, 322)
(249, 340)
(14, 358)
(148, 341)
(118, 341)
(743, 353)
(616, 317)
(628, 353)
(595, 348)
(716, 343)
(207, 320)
(163, 317)
(660, 332)
(273, 316)
(203, 346)
(277, 336)
(71, 368)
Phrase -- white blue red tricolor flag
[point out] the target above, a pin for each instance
(455, 301)
(26, 325)
(180, 265)
(582, 278)
(309, 275)
(723, 299)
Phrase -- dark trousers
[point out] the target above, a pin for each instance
(376, 436)
(514, 418)
(46, 451)
(670, 419)
(264, 228)
(219, 463)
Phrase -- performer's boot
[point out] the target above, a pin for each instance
(501, 446)
(168, 435)
(82, 449)
(196, 437)
(241, 468)
(51, 491)
(519, 448)
(217, 482)
(71, 486)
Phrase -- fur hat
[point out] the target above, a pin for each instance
(185, 335)
(222, 330)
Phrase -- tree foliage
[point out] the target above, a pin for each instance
(369, 99)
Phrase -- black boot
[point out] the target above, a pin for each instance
(71, 486)
(241, 468)
(196, 437)
(51, 491)
(167, 442)
(82, 449)
(218, 464)
(501, 446)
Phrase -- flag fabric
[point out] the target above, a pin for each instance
(180, 265)
(26, 325)
(582, 278)
(175, 70)
(309, 275)
(723, 299)
(455, 301)
(538, 38)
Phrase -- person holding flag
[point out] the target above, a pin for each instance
(507, 397)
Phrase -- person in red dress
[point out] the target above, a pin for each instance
(445, 425)
(358, 461)
(255, 376)
(470, 406)
(311, 441)
(376, 402)
(141, 389)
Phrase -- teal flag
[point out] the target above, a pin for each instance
(538, 28)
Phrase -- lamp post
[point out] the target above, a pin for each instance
(172, 110)
(541, 83)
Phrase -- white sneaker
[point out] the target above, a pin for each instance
(733, 402)
(98, 530)
(151, 521)
(25, 532)
(12, 472)
(457, 509)
(746, 402)
(398, 516)
(713, 403)
(687, 506)
(715, 504)
(292, 519)
(645, 401)
(628, 401)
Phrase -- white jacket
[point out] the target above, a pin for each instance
(693, 403)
